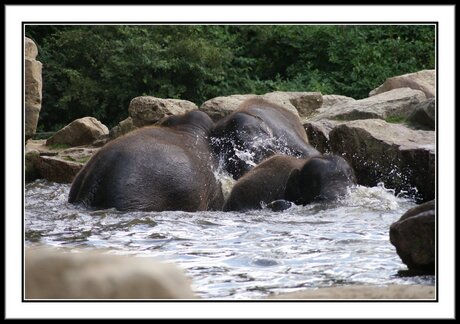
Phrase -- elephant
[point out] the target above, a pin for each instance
(281, 180)
(256, 130)
(154, 168)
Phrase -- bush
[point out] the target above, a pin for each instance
(96, 70)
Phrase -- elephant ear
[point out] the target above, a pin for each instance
(292, 192)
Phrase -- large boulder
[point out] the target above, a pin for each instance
(331, 100)
(82, 131)
(220, 107)
(318, 133)
(32, 86)
(302, 104)
(148, 110)
(394, 104)
(424, 80)
(53, 274)
(424, 115)
(400, 157)
(413, 235)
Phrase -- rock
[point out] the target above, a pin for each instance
(397, 103)
(58, 165)
(318, 133)
(30, 160)
(220, 107)
(413, 235)
(57, 170)
(53, 274)
(148, 110)
(424, 115)
(302, 104)
(402, 158)
(77, 154)
(331, 100)
(123, 127)
(363, 292)
(32, 87)
(30, 49)
(83, 131)
(424, 80)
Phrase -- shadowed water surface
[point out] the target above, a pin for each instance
(238, 255)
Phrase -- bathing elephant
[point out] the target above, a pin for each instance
(255, 131)
(283, 179)
(155, 168)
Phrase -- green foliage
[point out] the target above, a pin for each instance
(395, 119)
(96, 70)
(59, 146)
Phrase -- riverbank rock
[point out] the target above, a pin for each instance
(331, 100)
(32, 86)
(123, 127)
(82, 131)
(302, 104)
(148, 110)
(220, 107)
(413, 235)
(394, 104)
(424, 115)
(53, 274)
(54, 164)
(424, 80)
(318, 133)
(363, 292)
(400, 157)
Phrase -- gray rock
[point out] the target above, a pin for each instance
(30, 49)
(331, 100)
(402, 158)
(123, 127)
(33, 87)
(424, 80)
(54, 274)
(148, 110)
(302, 104)
(58, 165)
(30, 160)
(413, 235)
(57, 170)
(424, 115)
(397, 103)
(220, 107)
(83, 131)
(318, 133)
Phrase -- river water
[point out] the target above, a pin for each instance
(238, 255)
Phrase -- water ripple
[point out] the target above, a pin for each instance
(238, 255)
